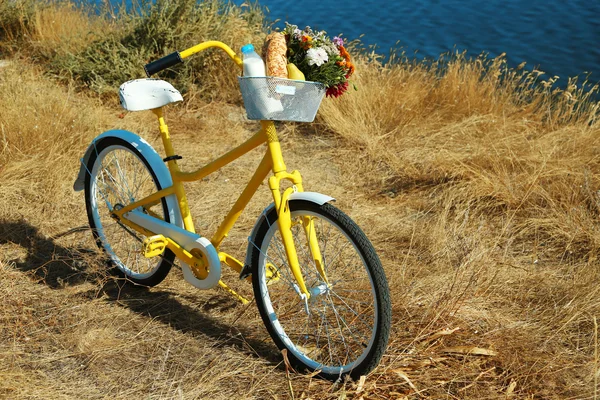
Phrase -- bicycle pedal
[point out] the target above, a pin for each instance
(154, 246)
(271, 273)
(245, 272)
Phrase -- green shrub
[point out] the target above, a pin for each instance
(15, 18)
(155, 30)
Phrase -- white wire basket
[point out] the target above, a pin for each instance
(278, 99)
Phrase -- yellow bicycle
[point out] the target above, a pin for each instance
(318, 283)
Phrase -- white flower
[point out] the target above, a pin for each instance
(317, 56)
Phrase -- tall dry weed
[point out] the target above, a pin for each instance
(63, 29)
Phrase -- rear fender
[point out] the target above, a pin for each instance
(154, 159)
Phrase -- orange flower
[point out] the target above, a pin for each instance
(306, 42)
(348, 65)
(351, 69)
(344, 53)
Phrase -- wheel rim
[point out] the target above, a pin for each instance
(340, 330)
(120, 177)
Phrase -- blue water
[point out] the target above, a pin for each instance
(560, 37)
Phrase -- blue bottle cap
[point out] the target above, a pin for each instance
(247, 48)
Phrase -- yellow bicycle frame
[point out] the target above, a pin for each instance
(272, 161)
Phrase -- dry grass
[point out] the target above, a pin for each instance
(495, 183)
(478, 186)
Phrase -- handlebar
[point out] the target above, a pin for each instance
(177, 57)
(163, 63)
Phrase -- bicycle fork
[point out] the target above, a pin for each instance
(284, 219)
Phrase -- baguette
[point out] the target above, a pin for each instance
(275, 55)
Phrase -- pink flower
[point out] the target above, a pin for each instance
(338, 41)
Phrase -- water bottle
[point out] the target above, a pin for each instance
(253, 64)
(264, 102)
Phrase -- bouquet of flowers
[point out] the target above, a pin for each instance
(320, 58)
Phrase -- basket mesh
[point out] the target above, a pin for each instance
(278, 99)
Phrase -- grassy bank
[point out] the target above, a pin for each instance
(478, 185)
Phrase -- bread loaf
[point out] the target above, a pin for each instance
(275, 55)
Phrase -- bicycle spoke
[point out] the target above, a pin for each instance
(337, 255)
(337, 319)
(346, 325)
(118, 191)
(124, 180)
(369, 326)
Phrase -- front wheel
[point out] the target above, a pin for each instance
(344, 327)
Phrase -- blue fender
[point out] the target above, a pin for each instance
(154, 159)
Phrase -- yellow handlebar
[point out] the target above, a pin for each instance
(212, 43)
(177, 57)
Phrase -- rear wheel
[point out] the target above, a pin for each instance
(118, 175)
(344, 327)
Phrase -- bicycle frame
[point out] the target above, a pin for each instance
(271, 161)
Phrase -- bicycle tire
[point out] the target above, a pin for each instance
(120, 174)
(284, 314)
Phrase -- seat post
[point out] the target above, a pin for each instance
(164, 133)
(171, 160)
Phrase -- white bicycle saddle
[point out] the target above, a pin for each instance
(147, 94)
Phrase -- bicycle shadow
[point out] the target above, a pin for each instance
(56, 266)
(165, 307)
(45, 260)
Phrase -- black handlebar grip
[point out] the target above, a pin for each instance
(163, 63)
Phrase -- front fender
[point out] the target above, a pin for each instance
(313, 197)
(154, 159)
